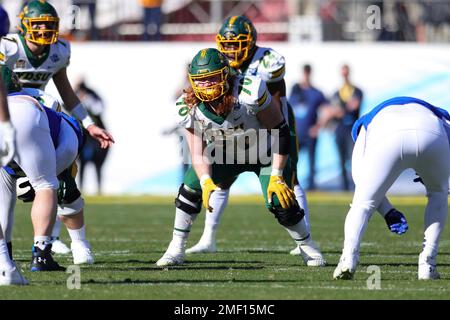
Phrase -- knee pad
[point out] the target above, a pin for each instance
(68, 191)
(288, 217)
(72, 208)
(188, 201)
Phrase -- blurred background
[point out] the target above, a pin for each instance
(129, 61)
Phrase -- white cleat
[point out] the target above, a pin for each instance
(174, 254)
(427, 268)
(81, 252)
(59, 247)
(12, 277)
(202, 247)
(311, 255)
(346, 268)
(295, 251)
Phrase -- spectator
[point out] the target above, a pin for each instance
(152, 19)
(306, 100)
(92, 7)
(91, 151)
(346, 103)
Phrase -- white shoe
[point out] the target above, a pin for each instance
(59, 247)
(12, 277)
(203, 247)
(81, 252)
(427, 268)
(295, 251)
(346, 267)
(173, 256)
(311, 255)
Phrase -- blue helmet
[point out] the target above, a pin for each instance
(4, 22)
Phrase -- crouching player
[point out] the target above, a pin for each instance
(216, 109)
(48, 142)
(398, 134)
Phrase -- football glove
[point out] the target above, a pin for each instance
(285, 195)
(396, 221)
(208, 187)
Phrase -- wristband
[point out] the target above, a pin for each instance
(81, 114)
(276, 172)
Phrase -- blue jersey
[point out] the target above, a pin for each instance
(4, 22)
(367, 118)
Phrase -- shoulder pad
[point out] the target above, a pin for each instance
(253, 93)
(272, 67)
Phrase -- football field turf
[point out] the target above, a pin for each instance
(128, 235)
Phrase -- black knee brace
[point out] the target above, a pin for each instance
(193, 197)
(288, 217)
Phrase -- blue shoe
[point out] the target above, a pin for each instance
(42, 260)
(396, 221)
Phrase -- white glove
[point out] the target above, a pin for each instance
(8, 147)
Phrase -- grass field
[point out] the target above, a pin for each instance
(129, 234)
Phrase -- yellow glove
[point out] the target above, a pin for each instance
(208, 187)
(285, 195)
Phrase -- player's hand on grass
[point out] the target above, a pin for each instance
(101, 135)
(396, 221)
(285, 195)
(208, 187)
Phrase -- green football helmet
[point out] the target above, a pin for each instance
(34, 14)
(208, 74)
(10, 79)
(236, 39)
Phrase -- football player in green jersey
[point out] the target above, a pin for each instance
(230, 122)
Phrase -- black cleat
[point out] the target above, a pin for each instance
(42, 260)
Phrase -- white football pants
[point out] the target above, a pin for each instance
(398, 138)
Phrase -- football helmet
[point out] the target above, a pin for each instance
(208, 74)
(236, 39)
(35, 14)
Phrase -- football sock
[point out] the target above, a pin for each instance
(354, 227)
(182, 225)
(41, 241)
(436, 213)
(299, 232)
(5, 261)
(300, 196)
(56, 228)
(218, 201)
(77, 234)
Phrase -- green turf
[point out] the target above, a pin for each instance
(129, 234)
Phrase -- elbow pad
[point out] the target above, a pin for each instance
(282, 138)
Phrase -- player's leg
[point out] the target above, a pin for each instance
(374, 176)
(395, 220)
(70, 202)
(188, 204)
(292, 219)
(9, 273)
(218, 201)
(37, 159)
(309, 251)
(7, 205)
(434, 169)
